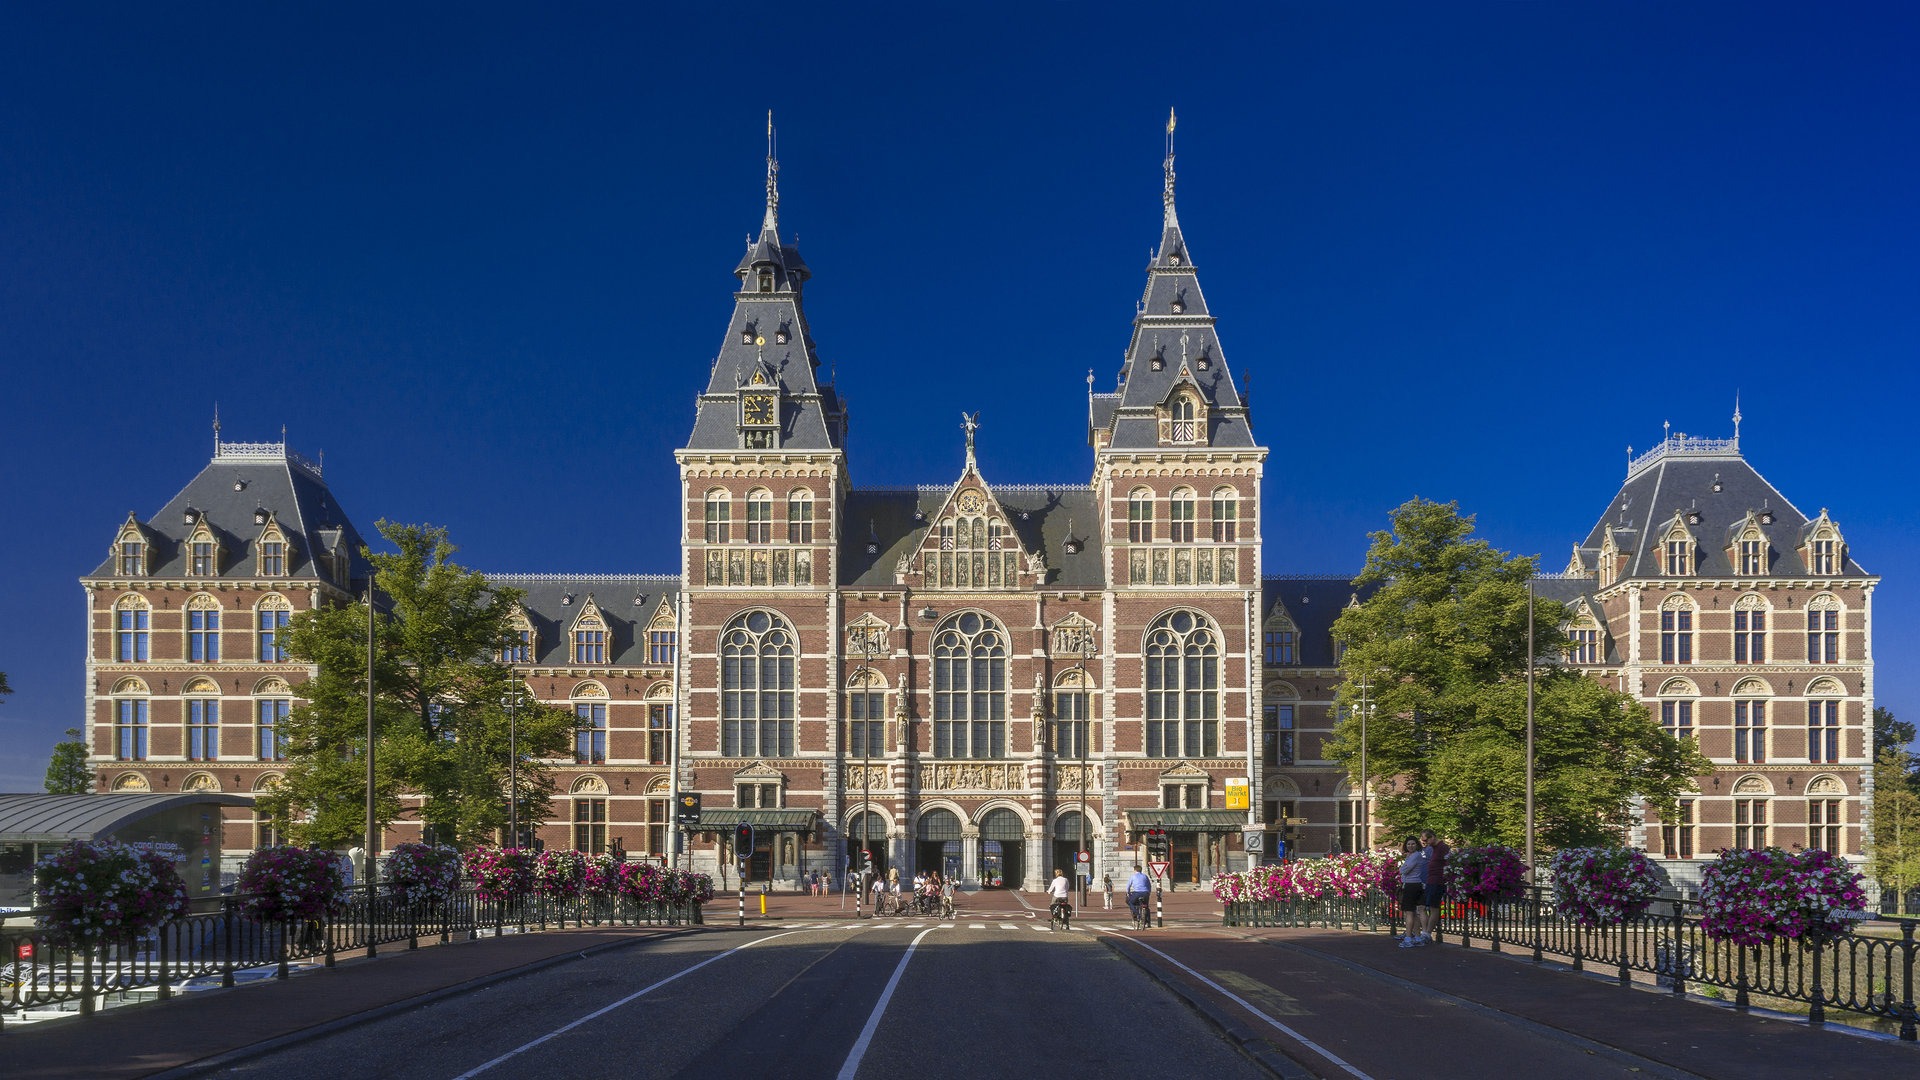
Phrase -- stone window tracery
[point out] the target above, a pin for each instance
(1182, 654)
(758, 650)
(970, 688)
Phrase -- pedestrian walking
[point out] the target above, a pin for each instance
(1413, 889)
(1106, 889)
(1435, 892)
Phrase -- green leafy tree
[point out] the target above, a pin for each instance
(4, 688)
(442, 728)
(1441, 648)
(1893, 858)
(67, 772)
(1897, 736)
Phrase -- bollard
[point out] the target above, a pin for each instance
(1160, 906)
(1817, 1008)
(763, 903)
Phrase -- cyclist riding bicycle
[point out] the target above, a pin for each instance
(1138, 886)
(1059, 890)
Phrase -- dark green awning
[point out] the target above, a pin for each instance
(1221, 821)
(723, 820)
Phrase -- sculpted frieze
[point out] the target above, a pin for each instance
(995, 776)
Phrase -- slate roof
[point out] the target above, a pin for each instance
(32, 818)
(811, 414)
(243, 478)
(628, 603)
(1038, 513)
(1679, 477)
(1179, 339)
(1312, 603)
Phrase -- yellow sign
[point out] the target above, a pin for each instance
(1236, 793)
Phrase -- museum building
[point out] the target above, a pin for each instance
(981, 675)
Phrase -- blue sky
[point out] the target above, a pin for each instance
(480, 257)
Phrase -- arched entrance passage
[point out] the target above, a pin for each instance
(867, 830)
(938, 845)
(1003, 839)
(1066, 843)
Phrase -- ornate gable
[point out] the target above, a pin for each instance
(1823, 551)
(760, 772)
(1679, 548)
(1184, 771)
(132, 549)
(1182, 414)
(1749, 551)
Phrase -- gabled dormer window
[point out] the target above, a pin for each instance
(1749, 551)
(271, 551)
(520, 651)
(1583, 637)
(130, 550)
(590, 636)
(1678, 550)
(203, 552)
(662, 639)
(1825, 551)
(1183, 419)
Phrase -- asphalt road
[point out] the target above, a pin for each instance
(972, 998)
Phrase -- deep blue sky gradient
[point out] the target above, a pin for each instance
(480, 257)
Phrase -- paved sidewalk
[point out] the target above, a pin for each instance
(1512, 1002)
(140, 1040)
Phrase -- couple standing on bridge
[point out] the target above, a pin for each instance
(1423, 885)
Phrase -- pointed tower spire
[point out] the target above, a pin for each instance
(771, 223)
(1171, 220)
(1736, 419)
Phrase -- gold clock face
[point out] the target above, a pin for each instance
(757, 409)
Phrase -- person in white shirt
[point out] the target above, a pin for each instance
(1059, 890)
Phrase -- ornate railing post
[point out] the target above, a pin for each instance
(373, 921)
(413, 926)
(160, 954)
(1533, 919)
(226, 942)
(1624, 980)
(1677, 953)
(1816, 1008)
(1907, 1018)
(1740, 985)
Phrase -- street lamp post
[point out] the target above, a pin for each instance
(867, 652)
(1530, 729)
(512, 703)
(1084, 733)
(373, 826)
(1366, 780)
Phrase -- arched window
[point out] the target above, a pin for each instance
(590, 724)
(273, 701)
(1750, 798)
(1750, 630)
(1226, 515)
(970, 688)
(866, 702)
(203, 720)
(1140, 516)
(203, 629)
(1823, 721)
(719, 526)
(1676, 707)
(520, 634)
(759, 516)
(203, 552)
(271, 617)
(1823, 629)
(659, 723)
(130, 550)
(133, 618)
(590, 815)
(800, 517)
(1750, 721)
(757, 651)
(1180, 510)
(1182, 652)
(1676, 630)
(130, 720)
(590, 636)
(1073, 735)
(270, 550)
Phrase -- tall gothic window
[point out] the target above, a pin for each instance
(203, 630)
(1183, 686)
(1180, 511)
(800, 517)
(271, 619)
(1823, 630)
(1750, 631)
(866, 703)
(970, 688)
(1750, 730)
(1676, 632)
(132, 618)
(1072, 716)
(1226, 516)
(1140, 516)
(719, 517)
(1823, 731)
(757, 651)
(759, 517)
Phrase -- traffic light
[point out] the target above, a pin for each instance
(1157, 845)
(742, 841)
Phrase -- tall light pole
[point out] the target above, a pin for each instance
(1366, 781)
(1529, 728)
(1085, 732)
(512, 702)
(867, 652)
(373, 827)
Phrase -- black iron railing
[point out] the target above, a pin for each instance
(1869, 970)
(221, 937)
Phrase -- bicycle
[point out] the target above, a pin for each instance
(1142, 914)
(1060, 915)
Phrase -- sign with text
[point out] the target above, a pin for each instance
(1237, 793)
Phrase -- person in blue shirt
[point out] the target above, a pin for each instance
(1138, 886)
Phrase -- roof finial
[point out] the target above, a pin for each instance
(771, 223)
(216, 429)
(971, 422)
(1736, 419)
(1666, 430)
(1171, 218)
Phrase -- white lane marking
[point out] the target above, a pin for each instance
(563, 1029)
(1009, 926)
(873, 1022)
(1243, 1003)
(977, 926)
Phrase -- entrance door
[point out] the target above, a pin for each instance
(760, 865)
(1184, 848)
(1003, 840)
